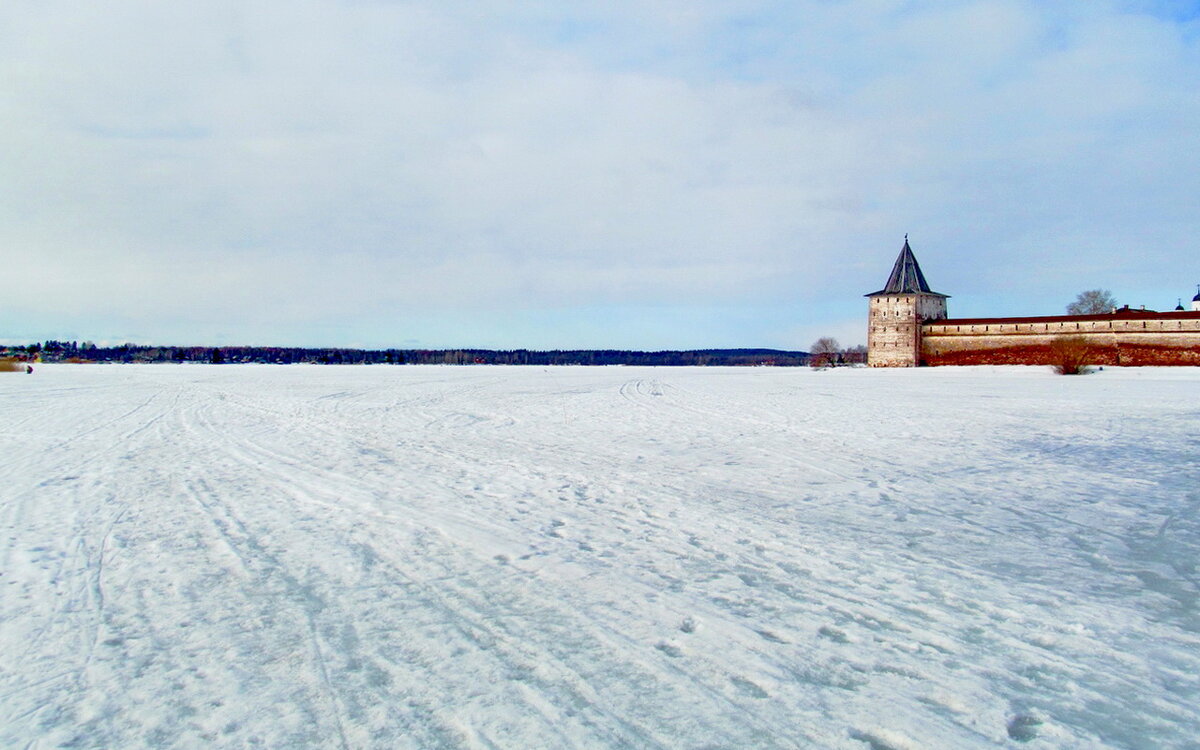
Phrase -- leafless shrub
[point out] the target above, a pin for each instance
(1069, 355)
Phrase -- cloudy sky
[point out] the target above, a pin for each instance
(615, 173)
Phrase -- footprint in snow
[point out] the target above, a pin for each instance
(670, 649)
(882, 739)
(1024, 727)
(748, 688)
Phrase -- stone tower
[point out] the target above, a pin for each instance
(897, 312)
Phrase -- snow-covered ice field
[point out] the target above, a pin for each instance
(425, 557)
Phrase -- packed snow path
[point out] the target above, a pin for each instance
(422, 557)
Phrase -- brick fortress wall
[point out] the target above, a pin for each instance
(1129, 338)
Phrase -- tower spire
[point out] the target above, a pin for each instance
(906, 276)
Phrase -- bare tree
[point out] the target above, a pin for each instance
(855, 355)
(823, 352)
(1092, 302)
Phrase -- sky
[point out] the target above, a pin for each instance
(667, 174)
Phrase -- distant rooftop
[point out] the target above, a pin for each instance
(906, 276)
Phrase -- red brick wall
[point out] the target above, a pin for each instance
(1125, 349)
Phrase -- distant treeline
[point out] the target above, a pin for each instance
(70, 351)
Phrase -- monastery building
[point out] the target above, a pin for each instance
(907, 326)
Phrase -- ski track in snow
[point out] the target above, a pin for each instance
(479, 557)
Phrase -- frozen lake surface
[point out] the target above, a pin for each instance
(425, 557)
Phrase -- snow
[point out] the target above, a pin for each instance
(422, 557)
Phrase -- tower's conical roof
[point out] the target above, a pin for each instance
(906, 276)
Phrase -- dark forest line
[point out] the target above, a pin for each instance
(70, 351)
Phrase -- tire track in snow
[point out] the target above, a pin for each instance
(264, 571)
(472, 622)
(257, 462)
(71, 511)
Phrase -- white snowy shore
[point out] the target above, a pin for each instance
(425, 557)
